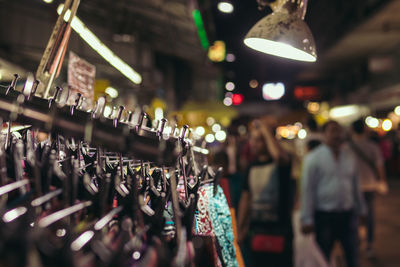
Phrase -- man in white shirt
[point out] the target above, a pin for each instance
(331, 197)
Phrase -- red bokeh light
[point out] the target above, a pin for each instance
(237, 99)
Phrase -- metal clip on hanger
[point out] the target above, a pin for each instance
(13, 83)
(54, 98)
(34, 88)
(119, 115)
(76, 104)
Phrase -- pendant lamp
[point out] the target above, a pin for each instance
(284, 33)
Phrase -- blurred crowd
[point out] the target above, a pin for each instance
(296, 199)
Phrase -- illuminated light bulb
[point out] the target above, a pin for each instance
(253, 83)
(387, 125)
(112, 92)
(227, 101)
(200, 130)
(210, 121)
(94, 42)
(216, 127)
(230, 86)
(302, 134)
(220, 136)
(397, 110)
(273, 91)
(48, 1)
(225, 7)
(210, 138)
(371, 122)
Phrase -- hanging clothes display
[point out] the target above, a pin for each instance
(78, 189)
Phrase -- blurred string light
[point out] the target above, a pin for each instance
(253, 83)
(94, 42)
(210, 138)
(216, 127)
(242, 130)
(313, 107)
(230, 86)
(227, 101)
(210, 121)
(200, 130)
(225, 6)
(302, 134)
(387, 125)
(397, 110)
(230, 57)
(220, 136)
(273, 91)
(371, 122)
(13, 214)
(237, 99)
(112, 92)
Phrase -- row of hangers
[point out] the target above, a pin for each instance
(94, 184)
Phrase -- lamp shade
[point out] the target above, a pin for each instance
(284, 35)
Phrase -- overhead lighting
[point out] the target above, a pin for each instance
(387, 125)
(210, 138)
(112, 92)
(225, 7)
(48, 1)
(230, 86)
(273, 91)
(284, 33)
(94, 42)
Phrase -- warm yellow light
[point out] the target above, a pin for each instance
(111, 91)
(278, 49)
(344, 111)
(387, 125)
(100, 48)
(397, 110)
(48, 1)
(253, 83)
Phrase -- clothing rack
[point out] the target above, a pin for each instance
(115, 134)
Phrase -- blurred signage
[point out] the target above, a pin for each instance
(217, 52)
(81, 77)
(307, 93)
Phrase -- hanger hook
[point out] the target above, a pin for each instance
(54, 98)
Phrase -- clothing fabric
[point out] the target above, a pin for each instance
(341, 226)
(369, 200)
(369, 181)
(270, 189)
(329, 183)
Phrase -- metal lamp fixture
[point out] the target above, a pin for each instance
(284, 33)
